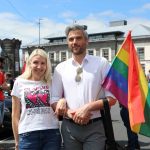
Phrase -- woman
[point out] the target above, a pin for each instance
(34, 123)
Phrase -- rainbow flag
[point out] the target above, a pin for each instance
(127, 81)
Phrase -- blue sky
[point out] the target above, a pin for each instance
(19, 18)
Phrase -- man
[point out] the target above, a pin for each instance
(79, 80)
(133, 142)
(3, 86)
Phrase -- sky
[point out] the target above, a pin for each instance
(20, 19)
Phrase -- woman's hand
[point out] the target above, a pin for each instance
(61, 107)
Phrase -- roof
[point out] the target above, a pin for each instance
(137, 30)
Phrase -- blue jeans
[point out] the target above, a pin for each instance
(1, 112)
(132, 137)
(40, 140)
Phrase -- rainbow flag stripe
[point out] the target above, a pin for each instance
(127, 81)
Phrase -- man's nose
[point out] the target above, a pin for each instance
(74, 40)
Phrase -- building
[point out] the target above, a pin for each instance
(10, 53)
(103, 43)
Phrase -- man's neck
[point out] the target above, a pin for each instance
(79, 58)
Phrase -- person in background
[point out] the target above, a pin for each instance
(3, 86)
(77, 82)
(133, 143)
(35, 125)
(148, 78)
(9, 81)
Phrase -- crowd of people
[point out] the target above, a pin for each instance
(74, 92)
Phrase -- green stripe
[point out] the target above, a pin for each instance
(121, 67)
(145, 127)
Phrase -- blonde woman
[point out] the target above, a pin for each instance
(35, 125)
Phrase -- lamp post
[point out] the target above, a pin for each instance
(39, 30)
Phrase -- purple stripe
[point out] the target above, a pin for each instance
(117, 92)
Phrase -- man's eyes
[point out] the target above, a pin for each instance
(77, 38)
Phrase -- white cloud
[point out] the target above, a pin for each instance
(135, 21)
(68, 14)
(12, 26)
(142, 9)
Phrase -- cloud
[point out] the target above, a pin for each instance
(142, 9)
(68, 14)
(12, 26)
(137, 20)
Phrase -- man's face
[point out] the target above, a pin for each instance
(77, 43)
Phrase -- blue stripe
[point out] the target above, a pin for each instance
(120, 81)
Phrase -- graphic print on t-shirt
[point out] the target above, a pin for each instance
(37, 97)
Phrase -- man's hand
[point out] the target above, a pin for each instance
(82, 115)
(111, 101)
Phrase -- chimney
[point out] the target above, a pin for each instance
(118, 23)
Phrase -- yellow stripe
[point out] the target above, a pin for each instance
(123, 56)
(143, 85)
(136, 128)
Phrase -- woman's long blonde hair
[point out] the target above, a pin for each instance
(28, 73)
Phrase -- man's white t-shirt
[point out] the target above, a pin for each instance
(36, 113)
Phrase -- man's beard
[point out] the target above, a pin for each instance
(79, 52)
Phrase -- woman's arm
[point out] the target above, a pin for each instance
(16, 107)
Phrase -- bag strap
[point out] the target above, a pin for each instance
(105, 112)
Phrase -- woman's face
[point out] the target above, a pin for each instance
(38, 67)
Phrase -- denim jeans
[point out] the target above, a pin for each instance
(132, 137)
(40, 140)
(1, 112)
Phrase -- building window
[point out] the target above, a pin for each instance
(91, 52)
(52, 57)
(105, 52)
(140, 52)
(143, 67)
(63, 56)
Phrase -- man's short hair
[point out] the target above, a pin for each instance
(76, 27)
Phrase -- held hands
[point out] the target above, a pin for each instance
(82, 115)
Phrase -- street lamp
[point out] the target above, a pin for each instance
(39, 30)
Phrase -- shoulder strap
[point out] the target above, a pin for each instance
(107, 120)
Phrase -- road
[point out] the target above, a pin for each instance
(119, 132)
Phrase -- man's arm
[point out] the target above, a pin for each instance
(83, 114)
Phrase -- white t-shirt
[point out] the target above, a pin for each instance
(36, 113)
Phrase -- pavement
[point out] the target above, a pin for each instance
(119, 133)
(120, 130)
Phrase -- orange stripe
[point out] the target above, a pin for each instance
(136, 111)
